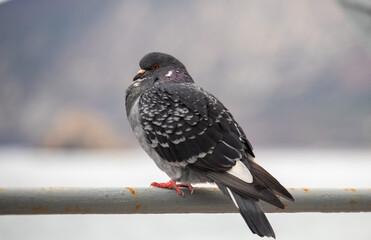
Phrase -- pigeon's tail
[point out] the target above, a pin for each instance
(246, 195)
(251, 213)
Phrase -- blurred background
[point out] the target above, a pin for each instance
(295, 74)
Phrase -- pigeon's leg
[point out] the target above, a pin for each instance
(172, 185)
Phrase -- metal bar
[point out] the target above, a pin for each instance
(67, 200)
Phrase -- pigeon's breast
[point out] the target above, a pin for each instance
(173, 172)
(178, 173)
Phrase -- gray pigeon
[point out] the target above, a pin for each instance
(193, 138)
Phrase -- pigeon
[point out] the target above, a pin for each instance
(193, 138)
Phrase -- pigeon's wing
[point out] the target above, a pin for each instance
(184, 124)
(189, 127)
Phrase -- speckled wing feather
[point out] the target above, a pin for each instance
(186, 125)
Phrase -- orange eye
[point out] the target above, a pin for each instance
(156, 66)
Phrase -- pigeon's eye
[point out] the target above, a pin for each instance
(156, 66)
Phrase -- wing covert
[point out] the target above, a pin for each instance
(186, 125)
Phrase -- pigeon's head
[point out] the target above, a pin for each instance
(157, 68)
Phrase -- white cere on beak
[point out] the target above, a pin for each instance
(169, 73)
(141, 71)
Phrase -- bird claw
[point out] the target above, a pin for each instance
(172, 185)
(189, 186)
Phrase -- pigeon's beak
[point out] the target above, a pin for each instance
(140, 73)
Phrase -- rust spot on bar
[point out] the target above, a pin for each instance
(86, 210)
(51, 188)
(131, 190)
(67, 209)
(292, 188)
(137, 207)
(324, 208)
(350, 189)
(43, 189)
(353, 202)
(305, 189)
(77, 208)
(14, 198)
(1, 189)
(39, 208)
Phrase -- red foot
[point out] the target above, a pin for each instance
(172, 185)
(189, 186)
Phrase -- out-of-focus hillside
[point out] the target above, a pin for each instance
(294, 73)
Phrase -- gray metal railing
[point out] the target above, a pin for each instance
(69, 200)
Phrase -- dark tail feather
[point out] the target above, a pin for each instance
(251, 213)
(256, 190)
(270, 181)
(254, 216)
